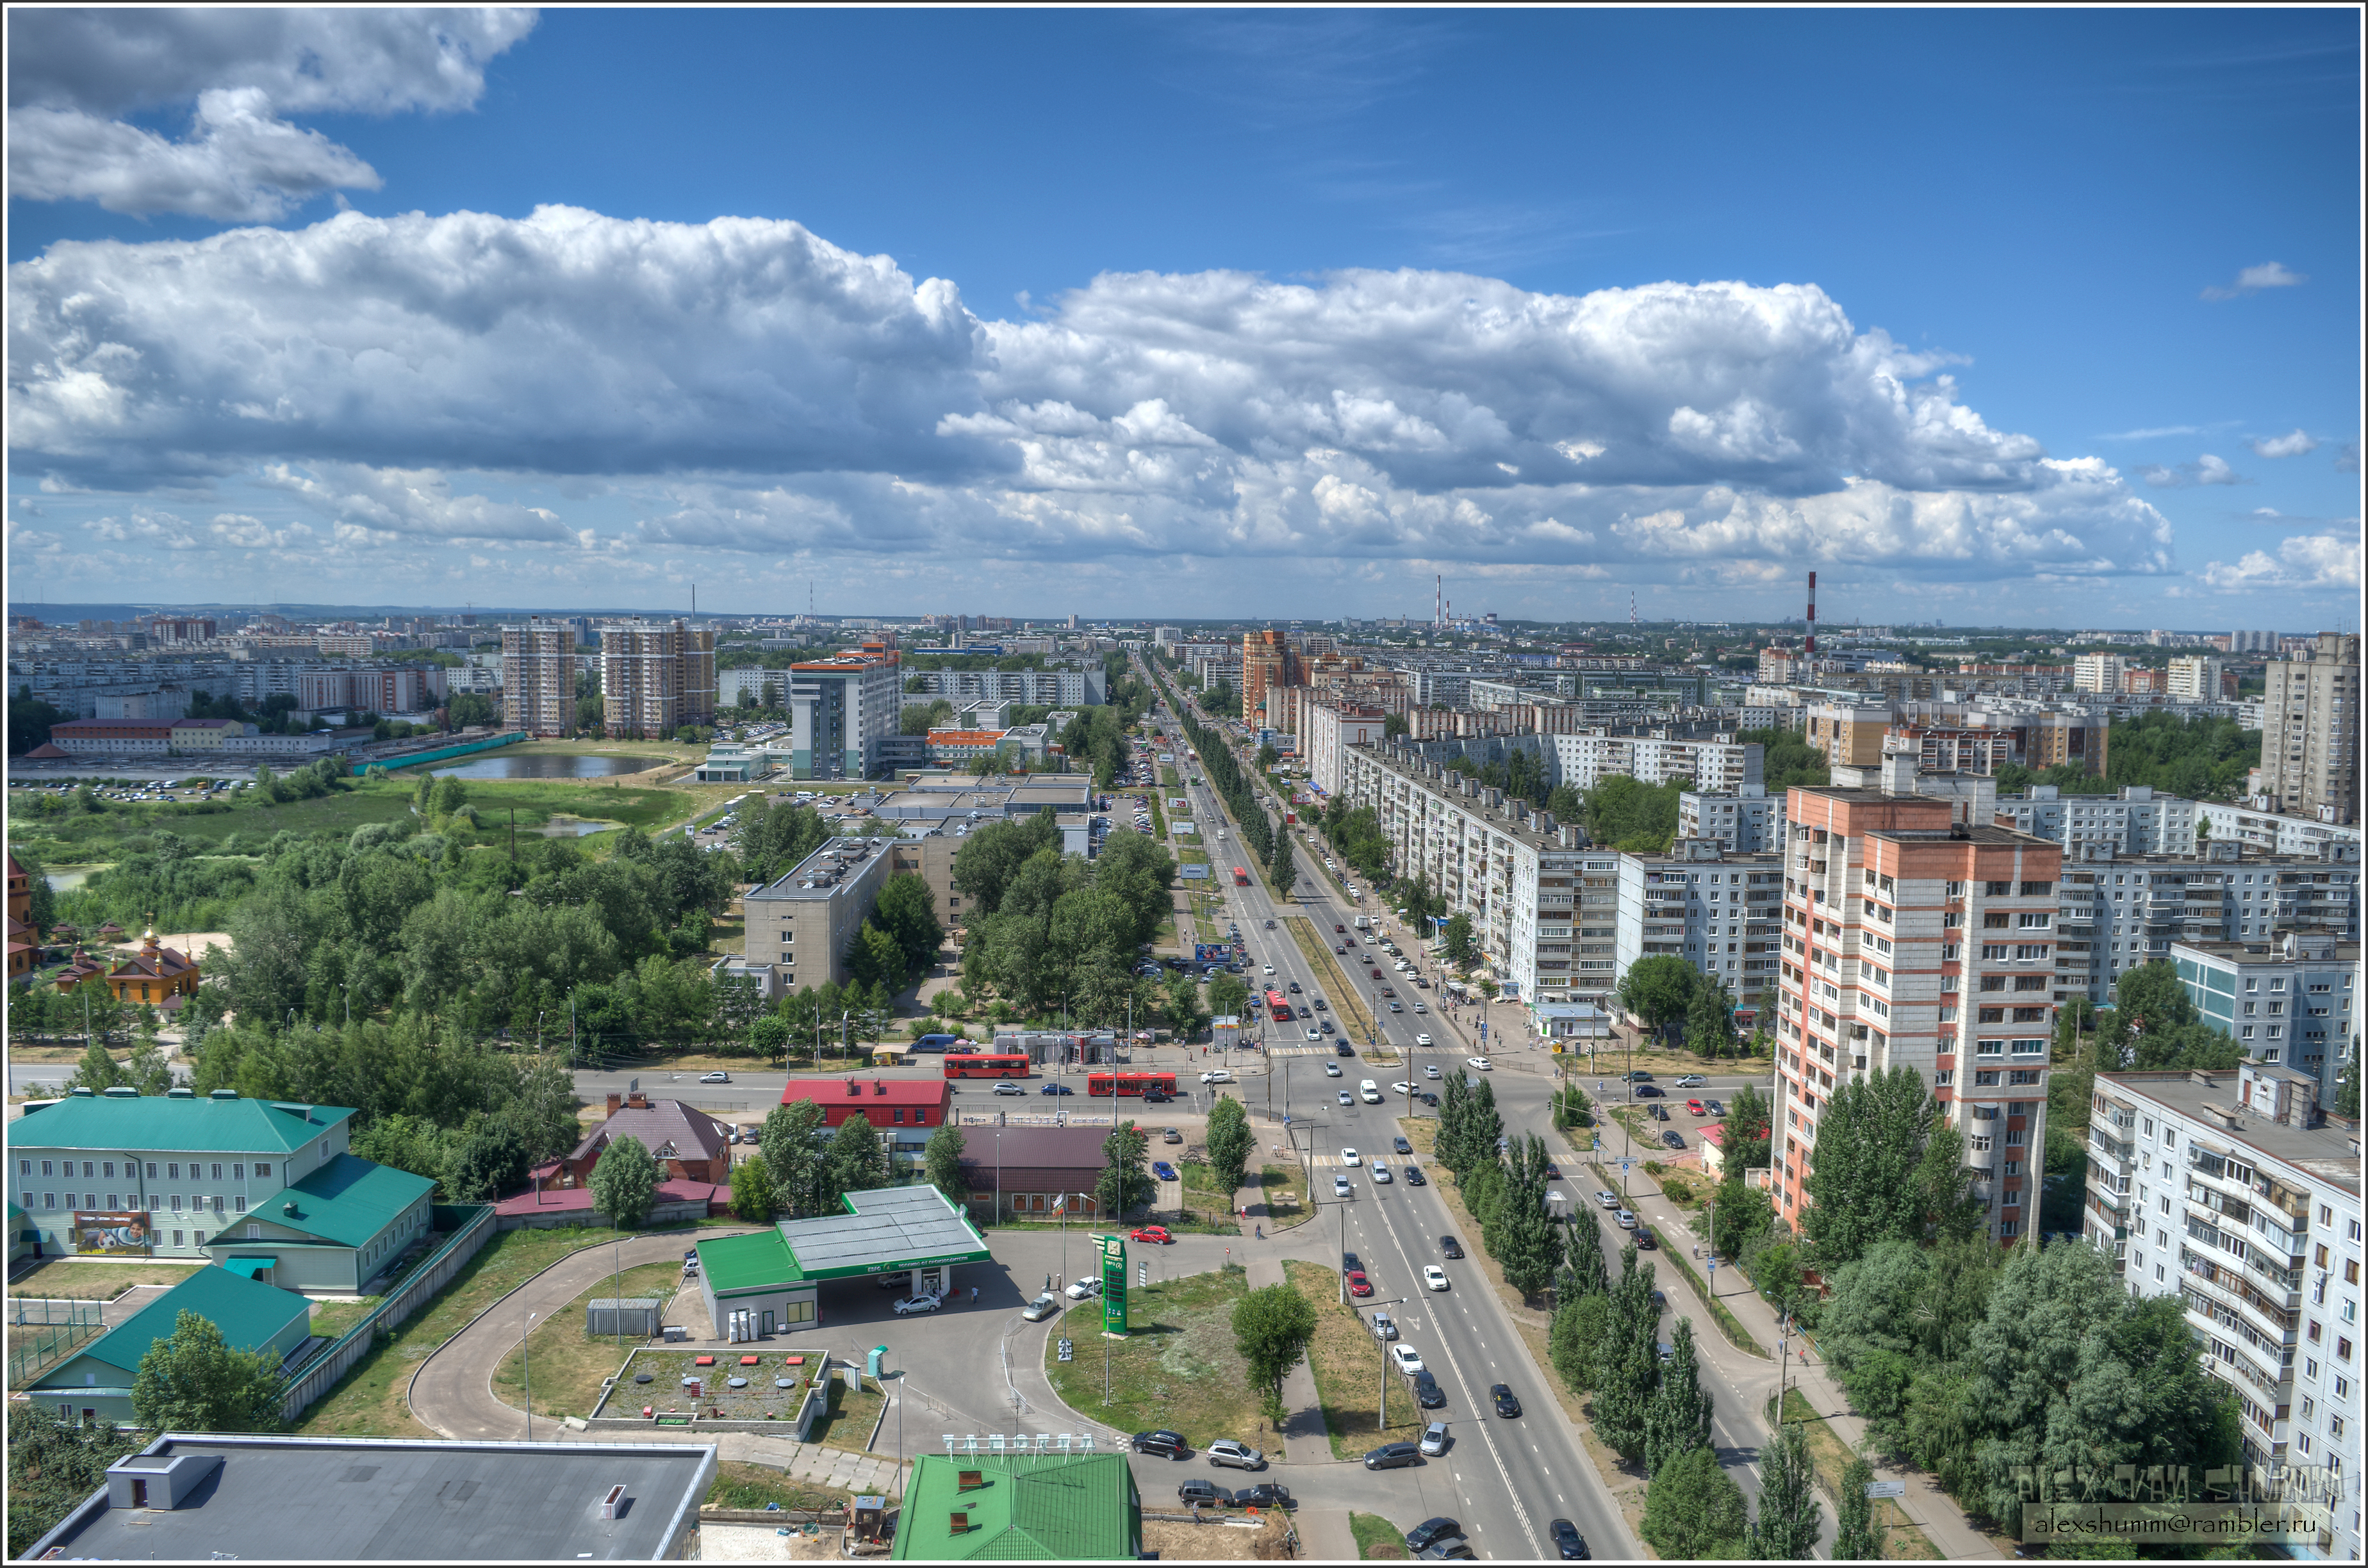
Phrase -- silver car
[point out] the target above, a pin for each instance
(1240, 1456)
(1042, 1307)
(1434, 1438)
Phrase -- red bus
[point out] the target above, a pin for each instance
(981, 1066)
(1277, 1007)
(1107, 1084)
(1241, 878)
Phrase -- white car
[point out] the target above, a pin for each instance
(1402, 1088)
(924, 1302)
(1348, 1157)
(1434, 1277)
(1429, 1070)
(1407, 1358)
(1421, 1038)
(1085, 1288)
(716, 1078)
(1216, 1076)
(1347, 1098)
(1315, 1034)
(1331, 1069)
(1381, 1173)
(1339, 1187)
(1268, 970)
(1478, 1062)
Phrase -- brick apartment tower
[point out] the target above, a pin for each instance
(655, 676)
(539, 677)
(1268, 660)
(1914, 940)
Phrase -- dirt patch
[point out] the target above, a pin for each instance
(100, 1280)
(1214, 1543)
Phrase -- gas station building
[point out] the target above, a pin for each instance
(777, 1274)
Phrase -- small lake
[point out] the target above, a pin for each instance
(545, 764)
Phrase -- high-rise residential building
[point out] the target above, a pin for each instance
(2195, 678)
(539, 677)
(1746, 821)
(2289, 1001)
(1914, 940)
(1720, 910)
(2234, 1192)
(1268, 660)
(2252, 642)
(655, 676)
(2098, 671)
(843, 708)
(2310, 730)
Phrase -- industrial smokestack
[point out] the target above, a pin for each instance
(1809, 647)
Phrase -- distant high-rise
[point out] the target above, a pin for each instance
(655, 676)
(2252, 642)
(539, 677)
(2310, 732)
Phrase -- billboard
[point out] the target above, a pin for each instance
(1193, 873)
(119, 1233)
(1214, 952)
(1114, 1284)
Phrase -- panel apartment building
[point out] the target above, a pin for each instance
(2235, 1193)
(2287, 1001)
(1912, 939)
(655, 677)
(539, 677)
(2310, 732)
(1027, 688)
(1721, 911)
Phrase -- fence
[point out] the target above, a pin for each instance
(58, 1327)
(1070, 1118)
(474, 1229)
(441, 753)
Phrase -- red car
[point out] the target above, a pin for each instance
(1358, 1284)
(1377, 973)
(1341, 929)
(1695, 1106)
(1151, 1233)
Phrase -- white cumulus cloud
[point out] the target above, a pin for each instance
(2253, 280)
(2313, 562)
(73, 74)
(2205, 470)
(2290, 446)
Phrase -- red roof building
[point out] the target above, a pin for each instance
(887, 1102)
(24, 939)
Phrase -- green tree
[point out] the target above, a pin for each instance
(1739, 1213)
(792, 1143)
(769, 1037)
(859, 1159)
(1627, 1367)
(753, 1199)
(1710, 1027)
(1229, 1141)
(1871, 1138)
(1858, 1538)
(96, 1071)
(1457, 940)
(1693, 1510)
(906, 910)
(1125, 1184)
(1272, 1328)
(1574, 1338)
(1284, 873)
(1749, 1119)
(53, 1463)
(625, 1182)
(1790, 1514)
(1677, 1421)
(1229, 994)
(491, 1160)
(1530, 1241)
(1659, 989)
(194, 1380)
(873, 956)
(943, 1158)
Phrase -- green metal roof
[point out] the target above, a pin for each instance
(248, 1267)
(166, 1125)
(752, 1262)
(349, 1202)
(1074, 1507)
(249, 1313)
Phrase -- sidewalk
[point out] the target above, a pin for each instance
(1325, 1536)
(1929, 1508)
(1304, 1439)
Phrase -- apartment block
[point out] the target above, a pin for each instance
(2197, 679)
(1721, 912)
(1911, 939)
(843, 711)
(655, 676)
(1330, 730)
(1721, 765)
(411, 688)
(1268, 660)
(1849, 733)
(2253, 822)
(539, 677)
(2237, 1193)
(816, 911)
(2254, 642)
(2098, 671)
(2310, 733)
(1029, 688)
(2136, 821)
(2287, 1001)
(2121, 911)
(1515, 871)
(1746, 821)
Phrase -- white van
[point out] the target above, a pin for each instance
(1370, 1092)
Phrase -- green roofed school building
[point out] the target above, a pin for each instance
(95, 1383)
(1052, 1507)
(265, 1187)
(777, 1275)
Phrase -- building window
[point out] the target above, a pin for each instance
(174, 1171)
(261, 1171)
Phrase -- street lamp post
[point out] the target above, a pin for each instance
(526, 1371)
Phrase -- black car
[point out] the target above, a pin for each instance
(1674, 1140)
(1153, 1097)
(1659, 1112)
(1171, 1444)
(1428, 1098)
(1414, 1177)
(1351, 1264)
(1423, 1534)
(1645, 1240)
(1401, 1145)
(1265, 1495)
(1568, 1542)
(1208, 1494)
(1450, 1247)
(1648, 1092)
(1507, 1405)
(1391, 1456)
(1318, 1004)
(1344, 1047)
(1426, 1391)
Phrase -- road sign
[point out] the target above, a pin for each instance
(1886, 1489)
(1068, 1350)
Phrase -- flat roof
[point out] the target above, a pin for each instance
(885, 1227)
(2326, 1151)
(838, 857)
(355, 1499)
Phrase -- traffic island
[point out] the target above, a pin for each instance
(1347, 1363)
(1348, 1004)
(1178, 1368)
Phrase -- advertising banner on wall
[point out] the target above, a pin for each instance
(120, 1232)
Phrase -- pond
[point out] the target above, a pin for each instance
(545, 765)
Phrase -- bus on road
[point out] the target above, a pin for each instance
(983, 1066)
(1279, 1007)
(1107, 1084)
(1241, 878)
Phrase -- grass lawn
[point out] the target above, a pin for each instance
(568, 1363)
(1178, 1368)
(1378, 1540)
(1284, 1191)
(739, 1485)
(369, 1400)
(1347, 1361)
(1831, 1457)
(71, 1279)
(1347, 1005)
(847, 1424)
(331, 1320)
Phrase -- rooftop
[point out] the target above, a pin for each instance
(2330, 1151)
(820, 873)
(1534, 829)
(662, 1126)
(354, 1499)
(348, 1200)
(248, 1313)
(830, 1092)
(194, 1125)
(1061, 1507)
(1057, 1148)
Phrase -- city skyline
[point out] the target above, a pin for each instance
(1360, 299)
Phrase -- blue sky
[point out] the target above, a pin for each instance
(2019, 316)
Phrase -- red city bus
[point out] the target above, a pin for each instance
(1277, 1007)
(986, 1066)
(1241, 878)
(1107, 1084)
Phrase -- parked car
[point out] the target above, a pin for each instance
(1265, 1495)
(1608, 1199)
(1434, 1277)
(1659, 1112)
(1627, 1220)
(1423, 1534)
(1385, 1327)
(1569, 1545)
(1084, 1290)
(1042, 1307)
(1645, 1240)
(924, 1302)
(1502, 1396)
(1171, 1444)
(1391, 1456)
(1695, 1108)
(1169, 1135)
(1358, 1284)
(1434, 1438)
(1407, 1358)
(1428, 1394)
(1714, 1108)
(715, 1078)
(1450, 1247)
(1164, 1171)
(1227, 1452)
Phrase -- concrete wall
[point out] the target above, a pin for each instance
(476, 1228)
